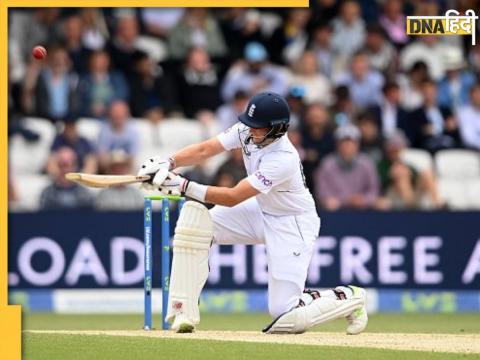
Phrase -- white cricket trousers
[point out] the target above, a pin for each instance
(289, 242)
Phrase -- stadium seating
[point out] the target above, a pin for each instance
(459, 164)
(418, 159)
(29, 189)
(89, 128)
(458, 174)
(473, 193)
(21, 160)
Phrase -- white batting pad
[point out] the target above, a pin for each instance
(191, 244)
(319, 311)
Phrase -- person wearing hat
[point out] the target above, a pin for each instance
(254, 74)
(271, 206)
(347, 179)
(454, 88)
(296, 102)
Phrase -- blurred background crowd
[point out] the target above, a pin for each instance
(381, 120)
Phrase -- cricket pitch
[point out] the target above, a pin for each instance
(450, 343)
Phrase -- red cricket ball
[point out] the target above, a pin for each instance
(39, 52)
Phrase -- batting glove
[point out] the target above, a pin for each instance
(175, 184)
(157, 168)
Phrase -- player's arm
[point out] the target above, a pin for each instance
(196, 153)
(178, 185)
(230, 196)
(158, 167)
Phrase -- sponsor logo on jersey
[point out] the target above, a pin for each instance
(263, 179)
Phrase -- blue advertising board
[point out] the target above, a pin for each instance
(396, 250)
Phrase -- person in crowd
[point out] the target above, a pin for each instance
(427, 49)
(371, 138)
(198, 84)
(231, 171)
(454, 88)
(474, 59)
(158, 22)
(437, 125)
(404, 186)
(100, 86)
(118, 133)
(84, 150)
(411, 96)
(305, 74)
(63, 194)
(73, 42)
(16, 122)
(95, 31)
(365, 84)
(393, 20)
(348, 30)
(389, 114)
(316, 139)
(381, 53)
(296, 101)
(26, 30)
(254, 74)
(321, 46)
(289, 41)
(119, 198)
(239, 27)
(469, 119)
(149, 88)
(347, 179)
(324, 11)
(123, 45)
(344, 109)
(197, 28)
(56, 87)
(227, 114)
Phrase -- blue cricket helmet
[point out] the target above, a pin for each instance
(267, 110)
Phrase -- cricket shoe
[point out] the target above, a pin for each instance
(358, 319)
(181, 324)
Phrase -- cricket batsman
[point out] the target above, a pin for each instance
(271, 206)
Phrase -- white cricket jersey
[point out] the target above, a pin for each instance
(275, 171)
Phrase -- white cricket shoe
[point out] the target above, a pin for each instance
(358, 319)
(181, 324)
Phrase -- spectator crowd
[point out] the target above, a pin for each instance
(361, 93)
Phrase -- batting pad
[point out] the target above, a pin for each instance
(191, 245)
(319, 311)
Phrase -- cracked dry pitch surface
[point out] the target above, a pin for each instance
(452, 343)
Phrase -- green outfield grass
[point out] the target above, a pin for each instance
(401, 323)
(72, 347)
(76, 347)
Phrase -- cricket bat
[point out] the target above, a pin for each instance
(102, 181)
